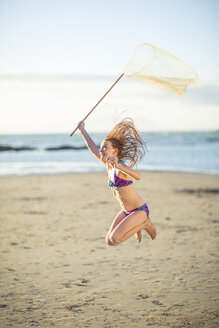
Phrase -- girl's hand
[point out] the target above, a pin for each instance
(111, 162)
(81, 125)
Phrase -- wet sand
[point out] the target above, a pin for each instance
(57, 271)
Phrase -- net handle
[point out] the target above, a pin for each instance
(98, 102)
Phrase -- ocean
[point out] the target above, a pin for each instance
(194, 152)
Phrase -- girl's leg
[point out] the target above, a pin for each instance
(121, 216)
(130, 225)
(138, 236)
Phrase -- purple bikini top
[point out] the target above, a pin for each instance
(118, 182)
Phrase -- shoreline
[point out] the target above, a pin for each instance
(102, 172)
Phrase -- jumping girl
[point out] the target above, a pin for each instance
(123, 144)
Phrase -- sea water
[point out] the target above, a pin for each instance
(195, 152)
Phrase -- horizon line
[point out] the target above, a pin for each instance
(101, 132)
(64, 76)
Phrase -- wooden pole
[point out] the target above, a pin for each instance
(98, 102)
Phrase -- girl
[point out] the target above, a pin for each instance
(123, 143)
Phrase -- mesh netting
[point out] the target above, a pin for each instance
(151, 64)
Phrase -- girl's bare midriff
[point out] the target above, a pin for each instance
(127, 196)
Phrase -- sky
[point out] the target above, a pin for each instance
(96, 38)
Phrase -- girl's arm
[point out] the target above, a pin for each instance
(124, 168)
(127, 170)
(89, 142)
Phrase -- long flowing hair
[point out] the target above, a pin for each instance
(125, 137)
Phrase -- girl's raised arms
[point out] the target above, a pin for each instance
(109, 161)
(89, 142)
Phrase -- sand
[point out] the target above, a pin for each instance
(57, 271)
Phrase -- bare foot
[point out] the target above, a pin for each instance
(138, 236)
(150, 228)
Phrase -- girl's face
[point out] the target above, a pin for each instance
(107, 150)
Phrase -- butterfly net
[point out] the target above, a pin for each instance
(152, 64)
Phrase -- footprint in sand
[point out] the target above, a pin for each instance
(77, 307)
(66, 284)
(10, 269)
(13, 244)
(82, 282)
(181, 230)
(142, 297)
(74, 307)
(157, 303)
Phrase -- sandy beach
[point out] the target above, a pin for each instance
(57, 271)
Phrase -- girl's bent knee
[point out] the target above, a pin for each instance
(114, 239)
(109, 242)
